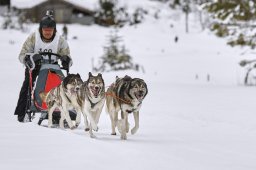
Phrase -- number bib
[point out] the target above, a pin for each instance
(41, 46)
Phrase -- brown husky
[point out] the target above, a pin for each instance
(126, 94)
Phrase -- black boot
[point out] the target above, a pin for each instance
(20, 118)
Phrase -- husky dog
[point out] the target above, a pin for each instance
(65, 97)
(126, 94)
(92, 96)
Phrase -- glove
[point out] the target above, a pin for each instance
(37, 58)
(27, 61)
(65, 60)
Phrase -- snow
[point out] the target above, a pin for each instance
(25, 3)
(185, 123)
(90, 4)
(21, 4)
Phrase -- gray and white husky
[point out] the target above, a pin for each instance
(125, 95)
(66, 97)
(92, 99)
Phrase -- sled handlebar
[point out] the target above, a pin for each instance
(49, 54)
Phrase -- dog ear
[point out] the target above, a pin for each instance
(146, 86)
(127, 78)
(78, 75)
(90, 74)
(99, 74)
(65, 81)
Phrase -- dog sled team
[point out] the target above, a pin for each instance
(88, 98)
(64, 99)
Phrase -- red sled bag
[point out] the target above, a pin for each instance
(47, 79)
(53, 80)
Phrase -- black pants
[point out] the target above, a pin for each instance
(25, 94)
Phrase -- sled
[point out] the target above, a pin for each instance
(50, 76)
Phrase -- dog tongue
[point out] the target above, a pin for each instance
(95, 92)
(139, 96)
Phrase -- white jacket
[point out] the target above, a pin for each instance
(32, 45)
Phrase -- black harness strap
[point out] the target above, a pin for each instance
(65, 91)
(92, 104)
(67, 98)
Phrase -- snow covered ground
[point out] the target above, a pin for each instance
(186, 122)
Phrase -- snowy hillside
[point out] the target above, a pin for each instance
(197, 115)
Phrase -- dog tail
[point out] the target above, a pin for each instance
(109, 101)
(43, 96)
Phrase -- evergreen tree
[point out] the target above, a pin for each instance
(110, 14)
(115, 56)
(186, 10)
(232, 18)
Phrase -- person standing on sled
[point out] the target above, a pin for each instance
(45, 39)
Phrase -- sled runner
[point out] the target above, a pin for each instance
(50, 76)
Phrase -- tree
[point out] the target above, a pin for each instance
(115, 56)
(5, 2)
(233, 19)
(110, 14)
(186, 9)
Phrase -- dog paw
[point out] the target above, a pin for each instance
(133, 131)
(73, 127)
(93, 136)
(87, 129)
(113, 133)
(119, 126)
(77, 124)
(123, 137)
(96, 129)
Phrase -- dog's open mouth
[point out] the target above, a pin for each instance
(95, 91)
(139, 95)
